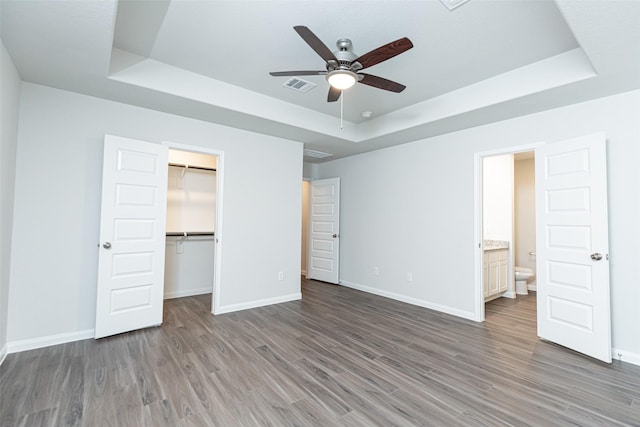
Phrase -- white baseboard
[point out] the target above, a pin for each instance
(40, 342)
(411, 300)
(258, 303)
(3, 353)
(187, 293)
(625, 356)
(508, 294)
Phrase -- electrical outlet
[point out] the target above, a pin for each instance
(409, 277)
(376, 271)
(281, 275)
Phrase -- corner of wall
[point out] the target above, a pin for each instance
(309, 171)
(10, 102)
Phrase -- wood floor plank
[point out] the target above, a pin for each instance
(161, 413)
(313, 414)
(43, 418)
(338, 357)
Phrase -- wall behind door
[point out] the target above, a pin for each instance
(525, 214)
(497, 197)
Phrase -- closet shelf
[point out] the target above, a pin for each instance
(191, 233)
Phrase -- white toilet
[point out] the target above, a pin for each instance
(522, 275)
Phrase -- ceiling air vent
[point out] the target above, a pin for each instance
(452, 4)
(316, 154)
(299, 85)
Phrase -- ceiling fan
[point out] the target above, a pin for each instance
(344, 66)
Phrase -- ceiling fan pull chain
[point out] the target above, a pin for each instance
(341, 108)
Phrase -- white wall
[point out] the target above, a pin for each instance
(191, 200)
(525, 213)
(9, 102)
(58, 181)
(497, 197)
(188, 266)
(309, 170)
(410, 208)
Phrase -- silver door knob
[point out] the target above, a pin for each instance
(107, 245)
(596, 257)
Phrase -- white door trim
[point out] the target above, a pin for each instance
(477, 223)
(217, 261)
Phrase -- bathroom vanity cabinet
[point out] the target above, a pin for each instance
(495, 273)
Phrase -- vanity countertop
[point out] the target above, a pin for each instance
(492, 245)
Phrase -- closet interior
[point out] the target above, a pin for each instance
(191, 219)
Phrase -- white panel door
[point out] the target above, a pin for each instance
(573, 246)
(324, 230)
(132, 236)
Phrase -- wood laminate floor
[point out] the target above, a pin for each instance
(337, 357)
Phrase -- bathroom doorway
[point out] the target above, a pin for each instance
(573, 291)
(509, 233)
(507, 224)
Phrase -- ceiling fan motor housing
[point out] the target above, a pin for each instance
(345, 55)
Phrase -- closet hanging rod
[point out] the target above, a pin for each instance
(191, 233)
(180, 165)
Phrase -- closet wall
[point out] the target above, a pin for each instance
(191, 207)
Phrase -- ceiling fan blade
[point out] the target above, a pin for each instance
(298, 73)
(385, 52)
(334, 94)
(381, 83)
(315, 43)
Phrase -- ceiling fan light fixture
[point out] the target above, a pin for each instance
(342, 79)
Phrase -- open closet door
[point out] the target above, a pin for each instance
(573, 245)
(324, 230)
(132, 236)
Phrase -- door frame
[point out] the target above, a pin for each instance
(479, 314)
(217, 254)
(306, 229)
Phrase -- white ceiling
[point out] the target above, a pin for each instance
(487, 60)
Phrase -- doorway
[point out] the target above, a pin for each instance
(509, 230)
(502, 241)
(323, 239)
(190, 228)
(573, 297)
(133, 234)
(200, 217)
(306, 190)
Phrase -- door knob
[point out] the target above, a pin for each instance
(335, 235)
(107, 245)
(596, 257)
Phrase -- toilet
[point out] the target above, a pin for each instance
(522, 275)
